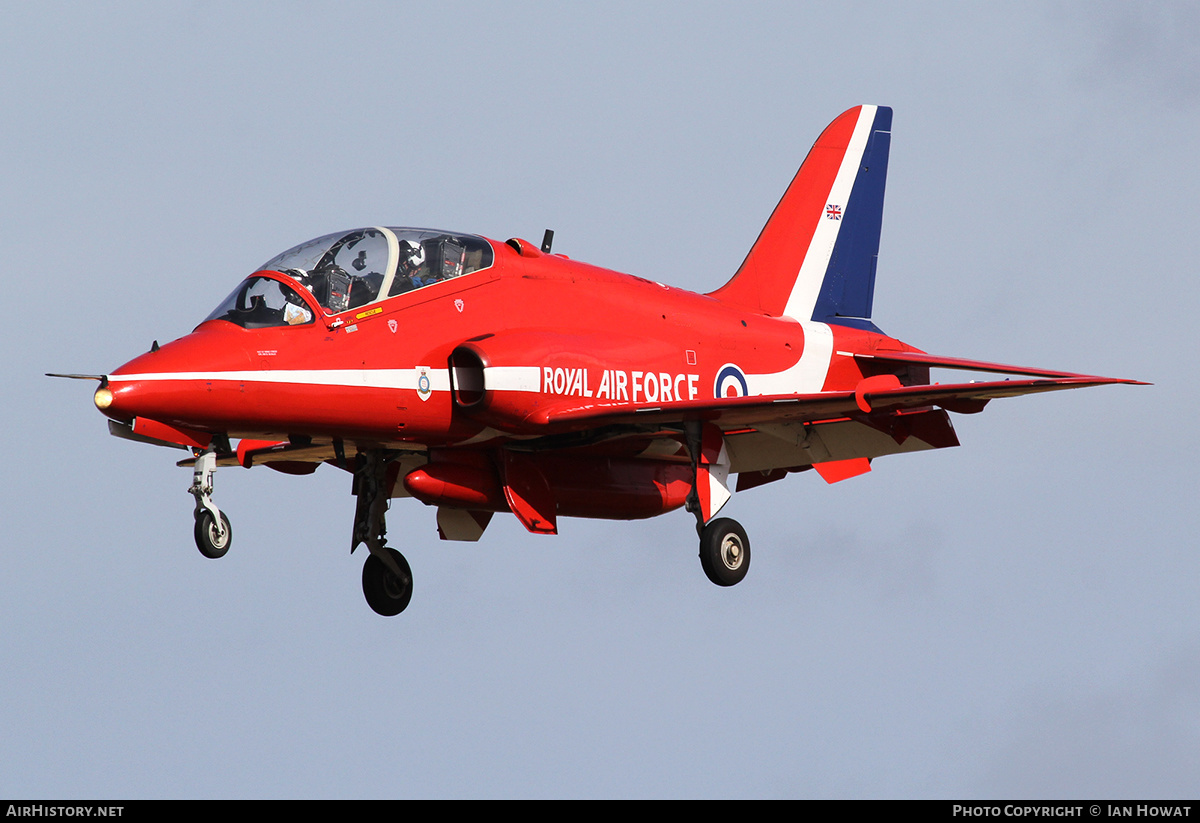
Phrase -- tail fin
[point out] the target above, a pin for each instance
(815, 258)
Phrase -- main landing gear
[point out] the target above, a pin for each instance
(213, 532)
(386, 578)
(724, 551)
(724, 546)
(387, 591)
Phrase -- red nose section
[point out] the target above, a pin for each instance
(174, 383)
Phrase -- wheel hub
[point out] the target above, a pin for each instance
(392, 585)
(731, 552)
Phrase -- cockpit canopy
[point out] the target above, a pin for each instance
(351, 269)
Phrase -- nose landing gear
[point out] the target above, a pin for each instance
(213, 533)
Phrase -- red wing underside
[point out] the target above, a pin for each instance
(835, 432)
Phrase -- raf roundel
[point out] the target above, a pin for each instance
(730, 382)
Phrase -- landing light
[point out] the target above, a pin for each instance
(103, 398)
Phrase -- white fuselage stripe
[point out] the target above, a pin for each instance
(361, 378)
(503, 378)
(808, 375)
(512, 378)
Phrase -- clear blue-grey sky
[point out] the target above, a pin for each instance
(1016, 617)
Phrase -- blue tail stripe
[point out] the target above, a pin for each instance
(848, 289)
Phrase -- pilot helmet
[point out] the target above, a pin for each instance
(412, 252)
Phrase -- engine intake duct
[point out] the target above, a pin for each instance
(467, 384)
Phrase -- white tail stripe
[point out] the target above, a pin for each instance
(807, 288)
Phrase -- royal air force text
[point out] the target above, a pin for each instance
(614, 384)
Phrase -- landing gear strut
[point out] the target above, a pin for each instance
(386, 578)
(213, 533)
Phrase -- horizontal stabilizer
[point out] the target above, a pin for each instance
(934, 361)
(968, 397)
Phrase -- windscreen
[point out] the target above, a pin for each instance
(262, 302)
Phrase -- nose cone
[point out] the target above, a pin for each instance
(103, 397)
(173, 384)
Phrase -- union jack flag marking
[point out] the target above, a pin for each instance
(833, 212)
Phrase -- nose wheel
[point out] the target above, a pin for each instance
(212, 536)
(724, 551)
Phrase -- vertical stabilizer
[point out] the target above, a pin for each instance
(815, 258)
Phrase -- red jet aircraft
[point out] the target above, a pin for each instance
(481, 377)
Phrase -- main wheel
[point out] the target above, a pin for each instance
(725, 551)
(386, 593)
(211, 541)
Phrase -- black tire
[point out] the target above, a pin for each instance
(725, 552)
(386, 594)
(211, 543)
